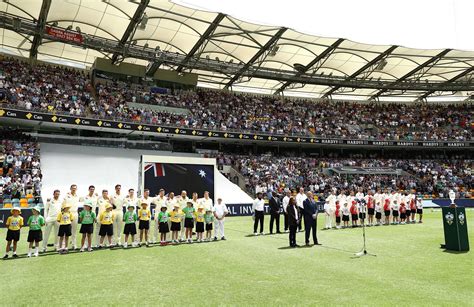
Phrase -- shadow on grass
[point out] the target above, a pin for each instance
(77, 251)
(455, 252)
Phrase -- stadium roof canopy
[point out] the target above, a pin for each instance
(162, 26)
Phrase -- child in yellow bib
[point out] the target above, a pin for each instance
(14, 224)
(144, 216)
(175, 217)
(64, 219)
(106, 219)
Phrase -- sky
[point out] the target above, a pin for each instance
(423, 24)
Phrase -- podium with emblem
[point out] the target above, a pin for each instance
(455, 228)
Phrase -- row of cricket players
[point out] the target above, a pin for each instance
(395, 206)
(119, 201)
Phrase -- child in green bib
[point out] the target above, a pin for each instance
(35, 235)
(87, 218)
(209, 220)
(130, 218)
(163, 218)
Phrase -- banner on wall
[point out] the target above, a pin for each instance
(167, 131)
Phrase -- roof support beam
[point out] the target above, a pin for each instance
(417, 69)
(370, 64)
(453, 79)
(201, 43)
(323, 55)
(256, 56)
(132, 25)
(43, 17)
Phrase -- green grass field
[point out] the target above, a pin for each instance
(409, 269)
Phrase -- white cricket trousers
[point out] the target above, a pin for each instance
(328, 219)
(96, 234)
(74, 224)
(219, 228)
(118, 227)
(51, 225)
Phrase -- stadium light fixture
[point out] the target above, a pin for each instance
(381, 65)
(144, 21)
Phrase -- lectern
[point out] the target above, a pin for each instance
(455, 228)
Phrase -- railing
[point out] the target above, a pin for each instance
(126, 124)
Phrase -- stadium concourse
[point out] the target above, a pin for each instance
(156, 154)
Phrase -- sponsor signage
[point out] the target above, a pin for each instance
(64, 35)
(166, 130)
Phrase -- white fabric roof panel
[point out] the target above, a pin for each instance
(176, 28)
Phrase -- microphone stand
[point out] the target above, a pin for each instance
(363, 252)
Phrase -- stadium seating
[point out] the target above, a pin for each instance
(432, 178)
(62, 90)
(22, 183)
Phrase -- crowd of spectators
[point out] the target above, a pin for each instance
(45, 87)
(435, 178)
(20, 167)
(58, 89)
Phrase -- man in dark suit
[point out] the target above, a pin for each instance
(310, 214)
(274, 205)
(293, 214)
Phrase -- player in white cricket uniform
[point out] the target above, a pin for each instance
(300, 198)
(285, 202)
(195, 200)
(72, 199)
(206, 202)
(131, 200)
(91, 197)
(147, 199)
(51, 211)
(395, 204)
(171, 201)
(102, 202)
(220, 211)
(183, 201)
(359, 195)
(118, 202)
(330, 209)
(160, 201)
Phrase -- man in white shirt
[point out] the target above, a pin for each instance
(72, 199)
(131, 200)
(52, 209)
(182, 201)
(285, 202)
(206, 201)
(159, 201)
(220, 211)
(359, 195)
(147, 199)
(102, 202)
(330, 209)
(258, 207)
(117, 202)
(91, 197)
(300, 198)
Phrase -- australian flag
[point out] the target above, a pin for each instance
(177, 177)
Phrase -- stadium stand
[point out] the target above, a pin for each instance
(20, 170)
(63, 90)
(431, 178)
